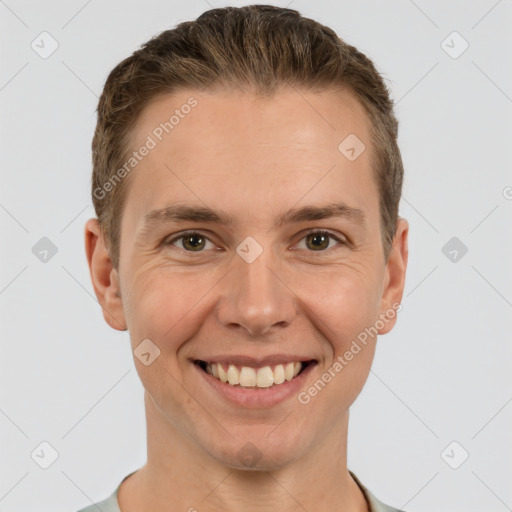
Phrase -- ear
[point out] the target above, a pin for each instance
(105, 278)
(394, 280)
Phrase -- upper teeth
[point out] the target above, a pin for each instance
(254, 377)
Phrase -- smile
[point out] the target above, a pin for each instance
(251, 377)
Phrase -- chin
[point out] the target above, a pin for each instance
(257, 453)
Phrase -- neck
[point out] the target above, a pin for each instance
(181, 476)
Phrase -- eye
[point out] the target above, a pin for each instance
(318, 240)
(191, 241)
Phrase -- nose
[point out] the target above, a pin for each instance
(255, 297)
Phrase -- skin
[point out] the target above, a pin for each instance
(254, 159)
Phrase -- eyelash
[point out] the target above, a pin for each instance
(314, 231)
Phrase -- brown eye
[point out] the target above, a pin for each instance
(190, 242)
(320, 240)
(193, 242)
(317, 241)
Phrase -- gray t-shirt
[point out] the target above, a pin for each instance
(111, 505)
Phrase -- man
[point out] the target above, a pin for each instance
(246, 182)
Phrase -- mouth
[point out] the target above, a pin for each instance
(268, 376)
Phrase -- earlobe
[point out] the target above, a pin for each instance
(395, 272)
(104, 277)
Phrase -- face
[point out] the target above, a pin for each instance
(242, 281)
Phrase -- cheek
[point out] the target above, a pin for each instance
(350, 307)
(344, 310)
(344, 302)
(164, 306)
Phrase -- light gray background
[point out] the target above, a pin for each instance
(443, 373)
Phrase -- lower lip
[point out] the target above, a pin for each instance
(254, 397)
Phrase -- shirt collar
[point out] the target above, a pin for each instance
(374, 504)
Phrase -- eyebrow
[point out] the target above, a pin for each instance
(180, 212)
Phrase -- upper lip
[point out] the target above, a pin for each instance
(255, 361)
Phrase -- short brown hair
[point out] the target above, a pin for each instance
(258, 48)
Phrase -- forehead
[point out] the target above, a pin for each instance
(294, 116)
(232, 141)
